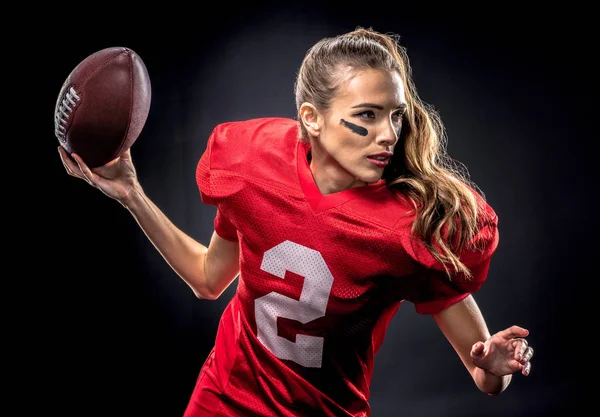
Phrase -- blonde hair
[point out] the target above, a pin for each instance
(447, 213)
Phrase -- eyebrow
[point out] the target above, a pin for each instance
(377, 106)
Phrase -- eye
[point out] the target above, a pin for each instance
(367, 114)
(397, 118)
(398, 115)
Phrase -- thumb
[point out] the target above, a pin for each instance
(478, 349)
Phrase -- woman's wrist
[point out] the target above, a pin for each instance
(133, 198)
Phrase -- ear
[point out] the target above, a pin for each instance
(310, 118)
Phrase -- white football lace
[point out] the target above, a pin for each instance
(61, 117)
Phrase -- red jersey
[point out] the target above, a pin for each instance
(321, 276)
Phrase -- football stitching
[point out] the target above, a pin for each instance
(61, 117)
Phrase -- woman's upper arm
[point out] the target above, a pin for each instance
(221, 265)
(463, 325)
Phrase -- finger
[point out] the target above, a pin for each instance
(514, 332)
(528, 355)
(526, 369)
(520, 344)
(69, 170)
(70, 166)
(478, 349)
(87, 173)
(126, 154)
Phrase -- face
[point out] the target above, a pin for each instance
(357, 135)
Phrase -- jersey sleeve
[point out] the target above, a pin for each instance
(431, 290)
(224, 228)
(210, 193)
(203, 173)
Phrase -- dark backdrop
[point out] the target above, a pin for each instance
(107, 327)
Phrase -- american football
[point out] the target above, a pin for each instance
(103, 105)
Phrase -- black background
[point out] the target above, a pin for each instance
(102, 325)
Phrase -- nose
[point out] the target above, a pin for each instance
(387, 134)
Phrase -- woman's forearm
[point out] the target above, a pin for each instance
(185, 255)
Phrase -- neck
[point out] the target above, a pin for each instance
(329, 176)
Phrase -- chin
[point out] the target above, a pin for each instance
(370, 178)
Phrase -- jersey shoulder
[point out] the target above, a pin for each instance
(245, 147)
(261, 150)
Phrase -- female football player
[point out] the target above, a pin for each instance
(331, 221)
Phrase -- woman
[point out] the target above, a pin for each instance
(331, 222)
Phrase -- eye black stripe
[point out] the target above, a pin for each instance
(359, 130)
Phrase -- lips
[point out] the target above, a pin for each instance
(381, 156)
(379, 161)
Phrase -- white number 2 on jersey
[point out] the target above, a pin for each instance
(289, 256)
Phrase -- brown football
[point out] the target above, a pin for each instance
(103, 105)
